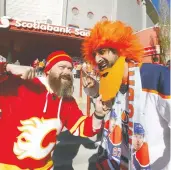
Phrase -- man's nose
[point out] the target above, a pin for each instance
(98, 58)
(138, 141)
(67, 71)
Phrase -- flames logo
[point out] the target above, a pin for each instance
(30, 141)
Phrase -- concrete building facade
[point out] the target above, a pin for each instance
(82, 13)
(86, 13)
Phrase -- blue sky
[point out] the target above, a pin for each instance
(156, 3)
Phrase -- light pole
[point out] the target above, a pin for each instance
(114, 10)
(2, 8)
(144, 14)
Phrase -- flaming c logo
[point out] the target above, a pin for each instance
(30, 141)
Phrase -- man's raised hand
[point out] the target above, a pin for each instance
(25, 72)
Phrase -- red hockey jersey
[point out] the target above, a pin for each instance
(30, 120)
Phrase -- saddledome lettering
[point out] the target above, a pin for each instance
(51, 28)
(6, 21)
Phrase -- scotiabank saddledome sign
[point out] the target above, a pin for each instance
(7, 22)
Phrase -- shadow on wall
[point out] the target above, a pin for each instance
(67, 149)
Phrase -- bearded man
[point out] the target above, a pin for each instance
(141, 90)
(33, 112)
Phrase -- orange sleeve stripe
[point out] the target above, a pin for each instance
(59, 56)
(82, 118)
(156, 92)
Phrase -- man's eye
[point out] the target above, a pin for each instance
(102, 51)
(94, 54)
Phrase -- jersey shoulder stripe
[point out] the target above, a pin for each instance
(155, 79)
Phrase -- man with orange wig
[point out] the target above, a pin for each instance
(141, 90)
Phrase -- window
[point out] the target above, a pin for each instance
(104, 18)
(75, 11)
(90, 15)
(87, 29)
(73, 26)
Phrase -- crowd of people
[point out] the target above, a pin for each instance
(39, 66)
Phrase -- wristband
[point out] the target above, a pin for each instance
(98, 117)
(96, 96)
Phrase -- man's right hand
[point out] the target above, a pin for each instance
(91, 86)
(88, 82)
(25, 72)
(101, 109)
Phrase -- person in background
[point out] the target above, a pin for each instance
(2, 59)
(168, 64)
(35, 63)
(41, 67)
(74, 72)
(17, 62)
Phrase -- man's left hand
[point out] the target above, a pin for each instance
(101, 108)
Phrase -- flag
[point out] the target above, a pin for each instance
(152, 50)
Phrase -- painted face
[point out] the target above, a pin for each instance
(105, 58)
(60, 78)
(137, 141)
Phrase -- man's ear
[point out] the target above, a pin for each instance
(48, 72)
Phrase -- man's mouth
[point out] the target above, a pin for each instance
(138, 146)
(66, 78)
(103, 65)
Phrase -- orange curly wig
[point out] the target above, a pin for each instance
(116, 35)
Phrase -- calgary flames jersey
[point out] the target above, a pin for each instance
(30, 120)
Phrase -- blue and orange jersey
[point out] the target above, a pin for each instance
(155, 102)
